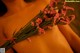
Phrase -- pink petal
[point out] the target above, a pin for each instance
(29, 39)
(50, 27)
(41, 31)
(32, 23)
(64, 21)
(39, 20)
(63, 12)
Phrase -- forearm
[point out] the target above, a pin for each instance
(71, 37)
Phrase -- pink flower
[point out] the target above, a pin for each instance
(56, 17)
(45, 11)
(50, 27)
(37, 24)
(32, 23)
(40, 30)
(63, 11)
(39, 20)
(68, 8)
(63, 21)
(49, 11)
(66, 20)
(51, 4)
(29, 39)
(46, 18)
(51, 8)
(53, 12)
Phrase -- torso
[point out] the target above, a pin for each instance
(53, 41)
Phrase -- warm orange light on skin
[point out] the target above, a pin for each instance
(53, 41)
(71, 37)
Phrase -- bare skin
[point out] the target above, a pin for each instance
(53, 41)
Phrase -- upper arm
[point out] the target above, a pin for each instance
(72, 38)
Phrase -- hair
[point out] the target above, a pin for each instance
(3, 8)
(29, 1)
